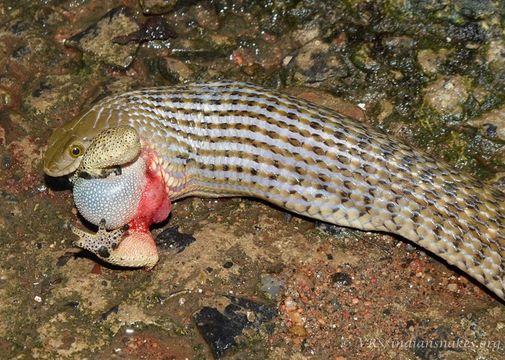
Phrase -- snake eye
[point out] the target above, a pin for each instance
(76, 151)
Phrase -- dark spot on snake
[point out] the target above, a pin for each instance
(369, 169)
(274, 135)
(322, 178)
(292, 116)
(292, 128)
(294, 142)
(318, 150)
(437, 230)
(345, 197)
(363, 144)
(339, 135)
(342, 159)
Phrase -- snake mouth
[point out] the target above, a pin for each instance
(56, 171)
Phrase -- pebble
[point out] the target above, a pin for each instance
(341, 279)
(452, 287)
(447, 95)
(494, 121)
(270, 286)
(431, 61)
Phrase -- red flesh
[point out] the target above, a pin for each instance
(154, 206)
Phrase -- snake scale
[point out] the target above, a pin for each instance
(235, 139)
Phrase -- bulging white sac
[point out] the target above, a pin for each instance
(115, 198)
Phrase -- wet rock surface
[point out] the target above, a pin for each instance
(154, 28)
(107, 39)
(430, 73)
(171, 238)
(157, 7)
(222, 329)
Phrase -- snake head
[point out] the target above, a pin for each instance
(67, 145)
(64, 152)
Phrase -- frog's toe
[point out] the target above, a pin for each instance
(103, 242)
(119, 246)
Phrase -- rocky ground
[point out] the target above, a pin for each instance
(239, 279)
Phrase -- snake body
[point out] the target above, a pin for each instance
(234, 139)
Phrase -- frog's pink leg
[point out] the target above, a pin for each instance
(119, 247)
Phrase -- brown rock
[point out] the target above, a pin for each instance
(157, 7)
(494, 118)
(430, 60)
(97, 40)
(447, 95)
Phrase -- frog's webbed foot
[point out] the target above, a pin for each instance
(102, 243)
(120, 246)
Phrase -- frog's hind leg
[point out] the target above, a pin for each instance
(119, 247)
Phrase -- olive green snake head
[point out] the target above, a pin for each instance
(66, 146)
(104, 149)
